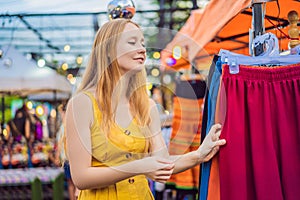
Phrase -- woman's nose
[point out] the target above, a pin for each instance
(142, 49)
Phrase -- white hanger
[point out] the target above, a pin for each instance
(270, 56)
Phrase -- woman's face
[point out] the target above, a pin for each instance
(131, 52)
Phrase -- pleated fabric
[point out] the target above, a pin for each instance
(260, 111)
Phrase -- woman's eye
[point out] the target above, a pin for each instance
(132, 43)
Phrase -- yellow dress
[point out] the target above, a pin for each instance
(121, 146)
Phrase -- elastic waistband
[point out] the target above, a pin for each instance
(276, 73)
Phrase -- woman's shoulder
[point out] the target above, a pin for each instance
(151, 102)
(79, 99)
(80, 106)
(82, 96)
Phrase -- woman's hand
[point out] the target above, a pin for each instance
(158, 169)
(211, 144)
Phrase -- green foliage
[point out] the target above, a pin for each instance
(7, 109)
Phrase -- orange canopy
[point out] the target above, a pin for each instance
(225, 24)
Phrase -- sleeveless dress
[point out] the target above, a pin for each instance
(122, 145)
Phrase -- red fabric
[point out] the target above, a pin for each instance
(261, 159)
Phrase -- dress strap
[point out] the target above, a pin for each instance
(97, 112)
(91, 96)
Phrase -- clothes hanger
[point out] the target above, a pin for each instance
(270, 56)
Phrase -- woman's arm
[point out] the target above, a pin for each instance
(79, 117)
(205, 152)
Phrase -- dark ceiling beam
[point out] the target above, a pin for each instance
(38, 46)
(267, 16)
(282, 25)
(39, 34)
(47, 51)
(220, 39)
(22, 38)
(95, 23)
(89, 13)
(50, 28)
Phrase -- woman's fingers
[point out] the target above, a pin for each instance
(216, 127)
(162, 175)
(220, 142)
(218, 133)
(162, 180)
(215, 132)
(216, 136)
(169, 167)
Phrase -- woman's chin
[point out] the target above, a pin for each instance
(135, 69)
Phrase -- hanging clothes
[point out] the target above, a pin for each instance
(209, 118)
(186, 128)
(260, 112)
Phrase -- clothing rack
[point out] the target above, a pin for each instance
(258, 22)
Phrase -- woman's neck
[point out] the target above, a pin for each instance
(122, 88)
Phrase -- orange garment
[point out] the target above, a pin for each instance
(186, 128)
(214, 180)
(214, 177)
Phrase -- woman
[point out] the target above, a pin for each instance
(113, 128)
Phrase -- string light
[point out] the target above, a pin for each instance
(171, 61)
(156, 55)
(79, 60)
(41, 62)
(73, 80)
(176, 52)
(64, 66)
(5, 133)
(67, 48)
(167, 79)
(155, 72)
(29, 105)
(8, 62)
(53, 113)
(39, 110)
(69, 76)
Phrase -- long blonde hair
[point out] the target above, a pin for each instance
(103, 72)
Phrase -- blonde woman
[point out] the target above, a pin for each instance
(114, 141)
